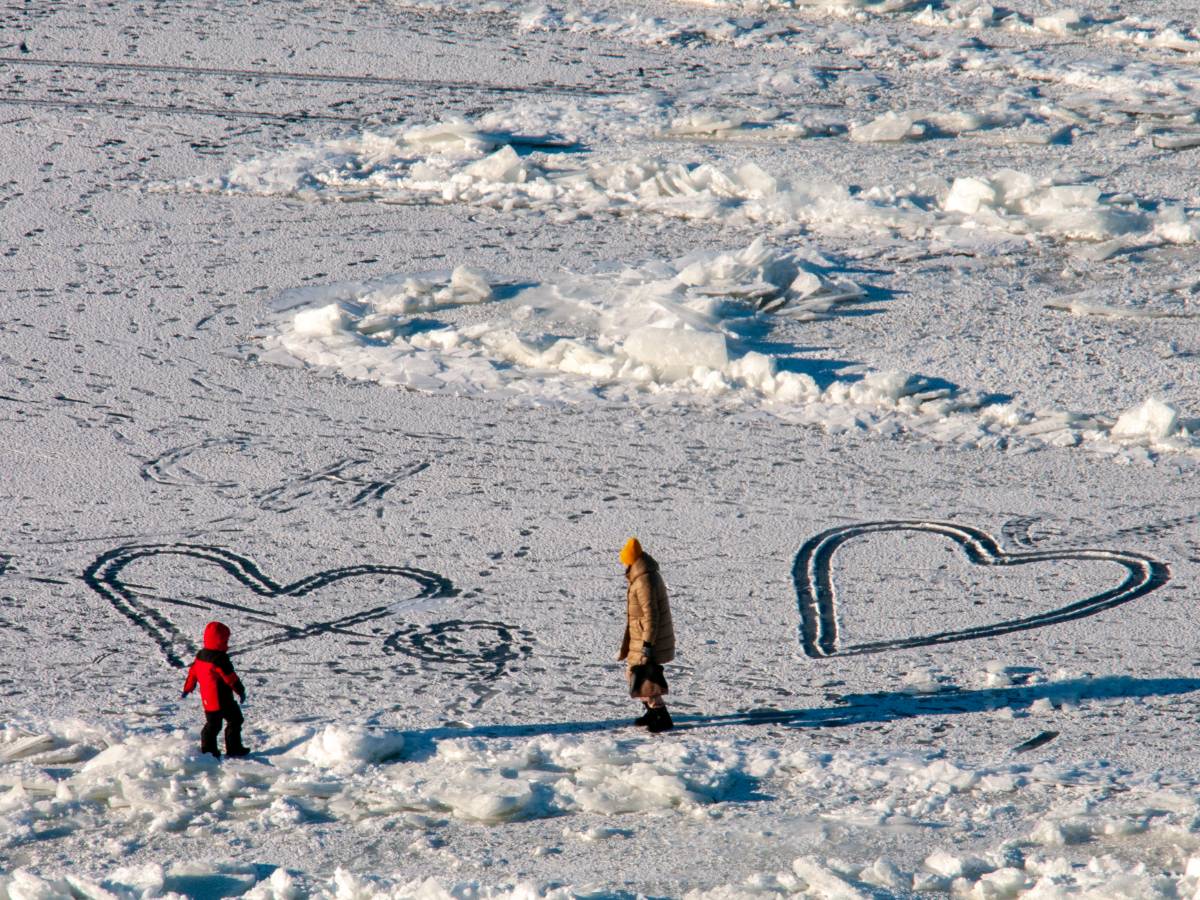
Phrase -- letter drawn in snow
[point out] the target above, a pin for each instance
(348, 482)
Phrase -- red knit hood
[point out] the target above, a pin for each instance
(216, 636)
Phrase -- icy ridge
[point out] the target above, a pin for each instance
(1077, 813)
(681, 329)
(456, 163)
(1131, 31)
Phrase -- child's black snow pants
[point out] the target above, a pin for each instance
(231, 715)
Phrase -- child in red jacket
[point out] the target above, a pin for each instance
(213, 671)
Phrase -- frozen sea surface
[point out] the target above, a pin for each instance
(374, 331)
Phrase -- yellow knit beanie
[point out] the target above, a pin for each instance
(630, 552)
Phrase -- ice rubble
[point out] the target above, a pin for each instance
(726, 126)
(1046, 878)
(737, 29)
(1135, 87)
(156, 783)
(635, 26)
(1105, 92)
(673, 329)
(666, 325)
(1152, 420)
(1080, 817)
(1080, 306)
(1164, 93)
(456, 163)
(1064, 22)
(191, 879)
(977, 15)
(1009, 122)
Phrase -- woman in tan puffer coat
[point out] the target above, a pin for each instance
(649, 636)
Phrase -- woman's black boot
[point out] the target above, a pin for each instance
(660, 720)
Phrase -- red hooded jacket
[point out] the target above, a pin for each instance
(213, 670)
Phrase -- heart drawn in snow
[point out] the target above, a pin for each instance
(104, 577)
(811, 574)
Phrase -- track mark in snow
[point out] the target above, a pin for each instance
(130, 107)
(816, 597)
(104, 577)
(259, 75)
(1036, 741)
(1153, 529)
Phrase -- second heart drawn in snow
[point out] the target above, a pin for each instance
(817, 599)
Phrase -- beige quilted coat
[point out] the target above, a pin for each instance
(648, 615)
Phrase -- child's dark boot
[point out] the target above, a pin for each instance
(233, 732)
(208, 734)
(644, 718)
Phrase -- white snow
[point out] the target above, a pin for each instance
(374, 330)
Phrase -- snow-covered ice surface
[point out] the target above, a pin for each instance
(374, 330)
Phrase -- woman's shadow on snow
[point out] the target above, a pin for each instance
(852, 709)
